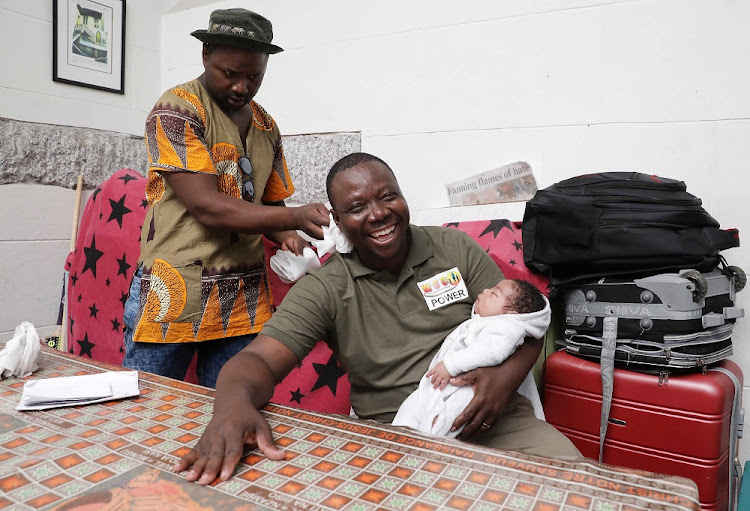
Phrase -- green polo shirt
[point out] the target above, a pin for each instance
(378, 324)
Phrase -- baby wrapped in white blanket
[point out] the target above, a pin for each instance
(483, 340)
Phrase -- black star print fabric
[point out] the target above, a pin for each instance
(318, 383)
(102, 265)
(501, 239)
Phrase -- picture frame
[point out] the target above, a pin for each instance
(88, 43)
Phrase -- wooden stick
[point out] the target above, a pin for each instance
(59, 339)
(73, 240)
(76, 212)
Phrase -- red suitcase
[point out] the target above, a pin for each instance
(687, 425)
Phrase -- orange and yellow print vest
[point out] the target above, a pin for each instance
(200, 284)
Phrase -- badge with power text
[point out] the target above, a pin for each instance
(443, 289)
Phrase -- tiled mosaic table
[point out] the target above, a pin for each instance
(117, 455)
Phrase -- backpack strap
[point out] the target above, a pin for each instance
(609, 343)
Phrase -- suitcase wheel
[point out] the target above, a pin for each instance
(700, 284)
(740, 278)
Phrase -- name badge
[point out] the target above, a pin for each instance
(443, 289)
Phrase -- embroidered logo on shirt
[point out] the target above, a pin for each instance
(443, 289)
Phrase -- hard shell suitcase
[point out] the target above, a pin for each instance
(686, 425)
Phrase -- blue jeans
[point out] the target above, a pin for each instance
(173, 359)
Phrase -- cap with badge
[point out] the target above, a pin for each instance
(239, 28)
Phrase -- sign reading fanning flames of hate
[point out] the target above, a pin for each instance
(514, 182)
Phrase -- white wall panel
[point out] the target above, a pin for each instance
(143, 25)
(37, 107)
(525, 71)
(178, 47)
(40, 9)
(676, 60)
(31, 275)
(679, 151)
(52, 205)
(144, 72)
(343, 86)
(520, 72)
(557, 5)
(301, 23)
(423, 163)
(35, 75)
(525, 145)
(176, 76)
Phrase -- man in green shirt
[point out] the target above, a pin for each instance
(385, 309)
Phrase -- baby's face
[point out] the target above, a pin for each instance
(495, 300)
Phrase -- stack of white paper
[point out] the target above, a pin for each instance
(78, 390)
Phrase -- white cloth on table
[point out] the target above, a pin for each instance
(291, 267)
(23, 353)
(477, 342)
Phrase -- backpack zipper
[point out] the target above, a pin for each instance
(646, 200)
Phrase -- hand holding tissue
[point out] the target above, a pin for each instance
(291, 267)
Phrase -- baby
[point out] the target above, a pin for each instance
(501, 318)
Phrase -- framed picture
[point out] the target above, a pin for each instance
(88, 43)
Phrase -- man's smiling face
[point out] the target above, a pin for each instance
(371, 212)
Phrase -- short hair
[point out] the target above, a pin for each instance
(347, 162)
(527, 297)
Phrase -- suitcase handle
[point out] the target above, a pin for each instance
(735, 470)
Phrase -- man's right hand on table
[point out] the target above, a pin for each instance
(220, 449)
(245, 384)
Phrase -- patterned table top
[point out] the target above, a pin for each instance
(117, 455)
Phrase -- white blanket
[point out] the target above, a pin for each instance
(477, 342)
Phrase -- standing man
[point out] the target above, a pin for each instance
(374, 308)
(217, 181)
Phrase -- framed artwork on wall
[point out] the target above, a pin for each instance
(88, 43)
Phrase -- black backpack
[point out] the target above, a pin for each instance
(619, 224)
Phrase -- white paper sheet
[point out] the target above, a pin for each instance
(78, 390)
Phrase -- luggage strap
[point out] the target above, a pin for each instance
(609, 343)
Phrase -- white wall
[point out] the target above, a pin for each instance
(443, 91)
(28, 93)
(37, 220)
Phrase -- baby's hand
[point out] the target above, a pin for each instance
(439, 376)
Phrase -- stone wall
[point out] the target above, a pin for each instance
(35, 153)
(309, 157)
